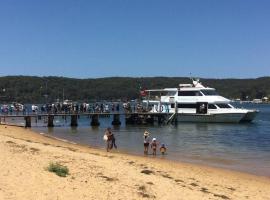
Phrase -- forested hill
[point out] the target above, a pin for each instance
(26, 89)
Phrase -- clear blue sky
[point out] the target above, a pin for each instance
(89, 39)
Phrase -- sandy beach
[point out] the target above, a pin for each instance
(97, 174)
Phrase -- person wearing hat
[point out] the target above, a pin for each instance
(146, 141)
(154, 145)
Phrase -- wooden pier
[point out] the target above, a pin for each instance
(142, 118)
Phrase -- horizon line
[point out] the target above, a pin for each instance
(84, 78)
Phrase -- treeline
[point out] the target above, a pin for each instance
(29, 89)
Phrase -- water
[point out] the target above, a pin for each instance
(244, 147)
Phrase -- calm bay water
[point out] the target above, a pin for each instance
(244, 147)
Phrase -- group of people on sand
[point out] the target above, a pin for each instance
(111, 142)
(153, 144)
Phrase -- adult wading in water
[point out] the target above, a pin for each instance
(146, 141)
(113, 144)
(110, 139)
(107, 138)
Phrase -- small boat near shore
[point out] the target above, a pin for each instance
(196, 103)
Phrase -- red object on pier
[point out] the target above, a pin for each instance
(143, 93)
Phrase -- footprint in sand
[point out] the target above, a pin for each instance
(148, 172)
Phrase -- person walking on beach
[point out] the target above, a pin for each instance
(154, 145)
(146, 141)
(108, 138)
(113, 144)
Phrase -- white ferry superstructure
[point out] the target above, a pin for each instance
(196, 103)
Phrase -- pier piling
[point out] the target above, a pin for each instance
(27, 121)
(116, 120)
(95, 121)
(50, 121)
(176, 111)
(150, 119)
(159, 119)
(74, 120)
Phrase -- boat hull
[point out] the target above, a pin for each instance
(211, 118)
(249, 116)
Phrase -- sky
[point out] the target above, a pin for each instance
(135, 38)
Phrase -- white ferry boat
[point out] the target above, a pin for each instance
(196, 103)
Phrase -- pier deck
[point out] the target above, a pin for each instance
(130, 118)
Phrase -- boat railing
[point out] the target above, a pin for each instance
(153, 98)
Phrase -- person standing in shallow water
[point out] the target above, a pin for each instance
(108, 138)
(154, 145)
(146, 141)
(113, 144)
(163, 149)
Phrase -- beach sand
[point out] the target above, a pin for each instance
(96, 174)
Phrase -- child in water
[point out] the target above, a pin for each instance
(163, 149)
(154, 145)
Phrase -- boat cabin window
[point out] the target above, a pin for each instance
(211, 106)
(189, 93)
(209, 92)
(171, 93)
(172, 105)
(186, 105)
(223, 105)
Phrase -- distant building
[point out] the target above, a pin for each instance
(257, 101)
(265, 99)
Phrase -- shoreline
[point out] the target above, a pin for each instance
(125, 174)
(128, 154)
(251, 165)
(199, 161)
(150, 156)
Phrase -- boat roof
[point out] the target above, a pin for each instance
(179, 89)
(195, 89)
(195, 86)
(163, 90)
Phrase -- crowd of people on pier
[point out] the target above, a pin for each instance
(80, 108)
(13, 108)
(72, 107)
(57, 108)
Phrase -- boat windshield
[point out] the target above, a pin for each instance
(223, 105)
(171, 93)
(209, 92)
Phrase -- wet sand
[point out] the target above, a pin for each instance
(97, 174)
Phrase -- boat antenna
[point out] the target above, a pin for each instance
(190, 77)
(194, 80)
